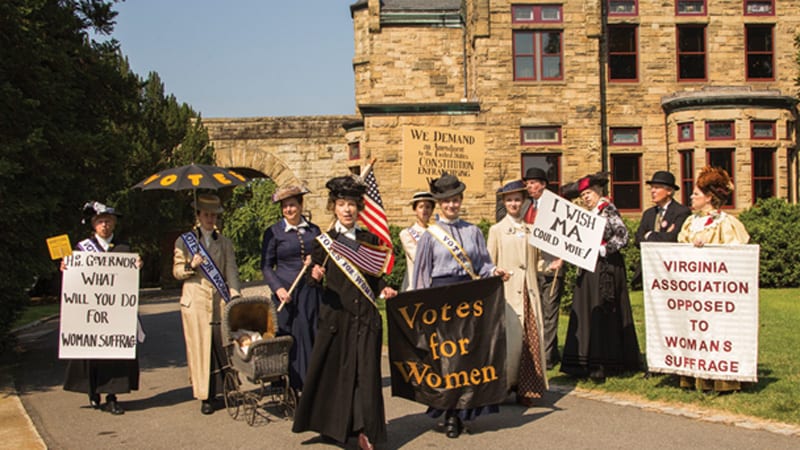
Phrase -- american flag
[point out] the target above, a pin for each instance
(374, 216)
(371, 259)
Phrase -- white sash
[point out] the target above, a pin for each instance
(88, 245)
(348, 268)
(454, 247)
(210, 269)
(414, 233)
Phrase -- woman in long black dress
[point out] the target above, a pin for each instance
(342, 395)
(285, 250)
(102, 376)
(601, 338)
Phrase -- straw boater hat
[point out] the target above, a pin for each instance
(93, 209)
(289, 191)
(209, 203)
(422, 196)
(665, 178)
(446, 186)
(716, 182)
(510, 187)
(535, 173)
(345, 187)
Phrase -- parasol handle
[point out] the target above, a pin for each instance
(306, 263)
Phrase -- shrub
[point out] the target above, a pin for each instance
(772, 224)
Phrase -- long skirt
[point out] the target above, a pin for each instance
(601, 338)
(102, 376)
(298, 319)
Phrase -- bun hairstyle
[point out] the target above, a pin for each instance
(716, 182)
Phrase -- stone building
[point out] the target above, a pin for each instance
(573, 87)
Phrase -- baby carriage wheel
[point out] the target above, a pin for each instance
(289, 402)
(230, 390)
(250, 408)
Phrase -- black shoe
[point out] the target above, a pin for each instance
(452, 427)
(206, 407)
(113, 407)
(94, 401)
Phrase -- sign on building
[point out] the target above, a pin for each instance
(428, 152)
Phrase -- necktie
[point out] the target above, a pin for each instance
(659, 217)
(530, 215)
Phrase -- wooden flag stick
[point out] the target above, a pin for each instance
(306, 263)
(555, 278)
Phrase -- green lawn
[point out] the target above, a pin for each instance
(36, 312)
(776, 396)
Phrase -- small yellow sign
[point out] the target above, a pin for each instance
(59, 246)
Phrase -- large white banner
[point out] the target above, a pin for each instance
(567, 231)
(701, 310)
(99, 303)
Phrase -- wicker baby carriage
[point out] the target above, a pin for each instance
(264, 364)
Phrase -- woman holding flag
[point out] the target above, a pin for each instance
(342, 394)
(205, 262)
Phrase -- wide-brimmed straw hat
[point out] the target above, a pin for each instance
(289, 191)
(446, 186)
(512, 186)
(208, 203)
(422, 196)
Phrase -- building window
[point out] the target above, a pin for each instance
(550, 163)
(759, 7)
(691, 53)
(623, 7)
(690, 8)
(622, 52)
(537, 55)
(685, 132)
(687, 176)
(762, 129)
(540, 135)
(354, 150)
(536, 13)
(763, 173)
(759, 52)
(625, 136)
(722, 157)
(626, 182)
(720, 130)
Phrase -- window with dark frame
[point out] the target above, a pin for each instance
(687, 176)
(625, 136)
(550, 163)
(691, 53)
(626, 181)
(537, 55)
(720, 130)
(722, 157)
(759, 7)
(354, 150)
(763, 161)
(690, 8)
(623, 7)
(762, 129)
(759, 50)
(685, 132)
(540, 135)
(536, 13)
(622, 53)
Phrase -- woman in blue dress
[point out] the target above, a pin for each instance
(285, 251)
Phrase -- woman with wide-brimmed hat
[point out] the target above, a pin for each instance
(508, 246)
(204, 260)
(436, 265)
(708, 224)
(342, 395)
(286, 249)
(601, 338)
(422, 204)
(102, 376)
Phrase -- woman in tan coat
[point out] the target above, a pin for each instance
(201, 255)
(508, 246)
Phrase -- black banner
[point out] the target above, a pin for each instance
(447, 345)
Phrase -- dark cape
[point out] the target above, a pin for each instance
(103, 376)
(342, 393)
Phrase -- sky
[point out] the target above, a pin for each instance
(244, 58)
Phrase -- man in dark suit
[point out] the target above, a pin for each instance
(662, 222)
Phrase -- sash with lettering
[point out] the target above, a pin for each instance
(447, 345)
(347, 267)
(414, 233)
(88, 245)
(209, 268)
(454, 248)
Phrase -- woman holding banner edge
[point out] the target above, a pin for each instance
(601, 338)
(708, 224)
(436, 265)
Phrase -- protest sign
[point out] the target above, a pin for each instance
(59, 246)
(701, 310)
(99, 305)
(428, 152)
(567, 231)
(447, 345)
